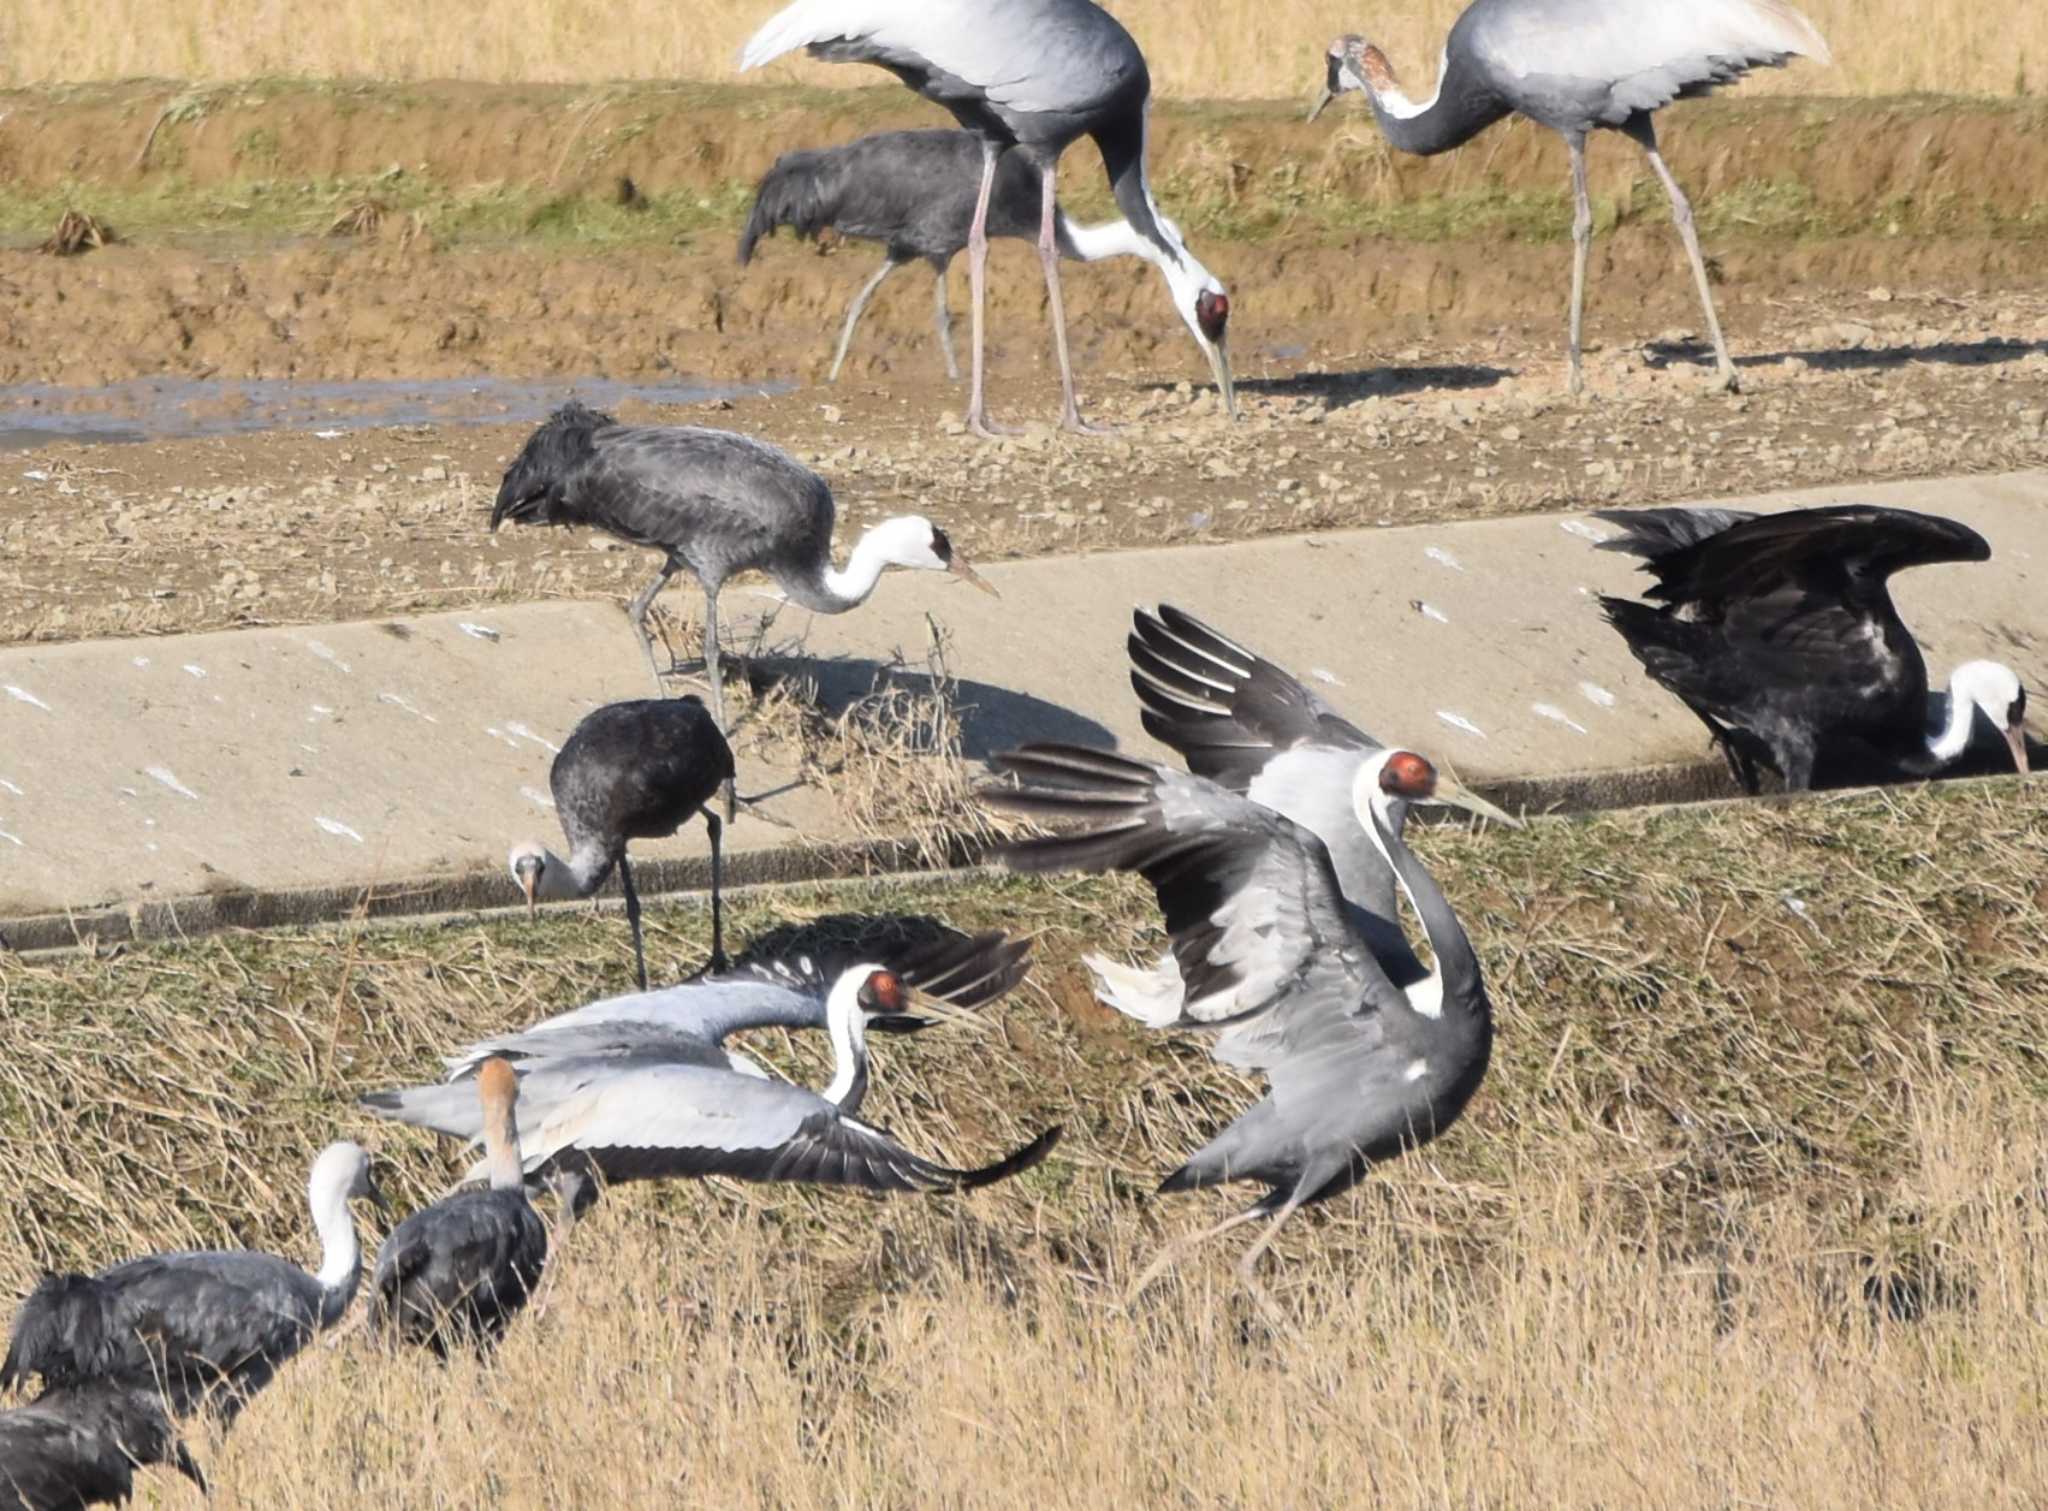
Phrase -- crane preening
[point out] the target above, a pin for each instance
(1030, 75)
(1578, 66)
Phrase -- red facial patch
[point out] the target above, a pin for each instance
(1212, 314)
(885, 993)
(1407, 775)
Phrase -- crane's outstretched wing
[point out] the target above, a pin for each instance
(1842, 552)
(1252, 906)
(1654, 534)
(1227, 710)
(680, 1121)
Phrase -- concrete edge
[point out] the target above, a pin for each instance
(483, 892)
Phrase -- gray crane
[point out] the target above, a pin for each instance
(915, 191)
(632, 770)
(80, 1445)
(1246, 724)
(211, 1326)
(629, 1099)
(1360, 1069)
(714, 502)
(558, 1059)
(1034, 75)
(1578, 66)
(1778, 631)
(459, 1271)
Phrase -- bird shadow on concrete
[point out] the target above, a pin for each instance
(991, 719)
(1662, 355)
(1340, 389)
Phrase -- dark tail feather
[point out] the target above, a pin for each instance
(63, 1333)
(969, 970)
(798, 192)
(552, 454)
(1009, 1165)
(1654, 534)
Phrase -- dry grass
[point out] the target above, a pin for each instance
(1751, 1209)
(1235, 49)
(77, 232)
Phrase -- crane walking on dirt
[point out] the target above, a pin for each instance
(715, 502)
(915, 192)
(633, 770)
(1035, 75)
(1579, 66)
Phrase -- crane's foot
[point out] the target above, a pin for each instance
(989, 430)
(1727, 379)
(1074, 424)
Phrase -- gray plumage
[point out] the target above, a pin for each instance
(1033, 75)
(1577, 66)
(1778, 631)
(641, 1053)
(713, 502)
(1359, 1068)
(80, 1445)
(210, 1326)
(915, 192)
(633, 770)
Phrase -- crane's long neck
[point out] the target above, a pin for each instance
(501, 1148)
(848, 1027)
(580, 875)
(1112, 238)
(1454, 983)
(1123, 156)
(1458, 111)
(835, 591)
(1955, 716)
(341, 1258)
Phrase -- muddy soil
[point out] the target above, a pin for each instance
(1384, 378)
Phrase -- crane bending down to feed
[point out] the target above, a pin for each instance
(1360, 1069)
(915, 192)
(619, 1103)
(716, 503)
(80, 1445)
(1579, 66)
(633, 770)
(1035, 75)
(1778, 631)
(208, 1326)
(460, 1270)
(1247, 725)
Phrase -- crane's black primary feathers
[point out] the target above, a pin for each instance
(63, 1332)
(826, 1150)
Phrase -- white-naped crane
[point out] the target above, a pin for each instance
(1359, 1069)
(915, 192)
(715, 502)
(1778, 631)
(80, 1445)
(633, 770)
(1248, 725)
(591, 1066)
(1034, 76)
(203, 1327)
(1579, 66)
(456, 1273)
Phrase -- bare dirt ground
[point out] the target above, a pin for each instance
(1397, 332)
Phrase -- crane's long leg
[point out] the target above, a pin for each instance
(1247, 1267)
(636, 615)
(1582, 235)
(860, 302)
(977, 277)
(716, 674)
(1049, 259)
(942, 315)
(1182, 1245)
(715, 830)
(633, 918)
(1681, 215)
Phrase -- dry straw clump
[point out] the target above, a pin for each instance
(1230, 49)
(1753, 1208)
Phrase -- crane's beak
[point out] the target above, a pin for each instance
(2016, 737)
(1219, 364)
(1455, 794)
(959, 568)
(376, 1194)
(528, 873)
(1323, 98)
(185, 1464)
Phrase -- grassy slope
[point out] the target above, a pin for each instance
(1642, 1261)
